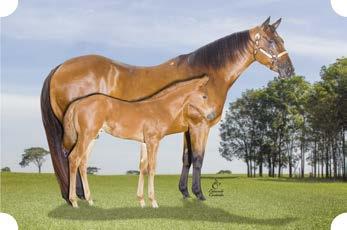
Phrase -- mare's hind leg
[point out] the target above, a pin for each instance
(83, 171)
(187, 161)
(152, 149)
(74, 162)
(143, 172)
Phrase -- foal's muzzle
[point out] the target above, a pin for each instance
(211, 116)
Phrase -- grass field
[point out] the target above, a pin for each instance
(34, 200)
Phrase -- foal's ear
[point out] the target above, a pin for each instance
(266, 22)
(203, 81)
(277, 23)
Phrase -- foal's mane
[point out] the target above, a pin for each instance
(217, 53)
(176, 86)
(173, 87)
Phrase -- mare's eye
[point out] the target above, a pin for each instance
(205, 97)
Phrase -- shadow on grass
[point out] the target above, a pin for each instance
(219, 177)
(303, 180)
(190, 211)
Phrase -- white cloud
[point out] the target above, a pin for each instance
(314, 47)
(121, 28)
(16, 105)
(127, 28)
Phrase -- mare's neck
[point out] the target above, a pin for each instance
(224, 77)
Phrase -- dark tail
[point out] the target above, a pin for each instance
(54, 132)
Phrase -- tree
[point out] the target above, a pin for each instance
(5, 169)
(241, 131)
(92, 170)
(132, 172)
(291, 123)
(327, 109)
(34, 155)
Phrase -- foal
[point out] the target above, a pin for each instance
(172, 110)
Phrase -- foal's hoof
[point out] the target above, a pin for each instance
(142, 203)
(155, 204)
(91, 202)
(74, 204)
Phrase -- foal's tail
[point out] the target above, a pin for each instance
(70, 133)
(54, 133)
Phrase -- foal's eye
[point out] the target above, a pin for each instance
(205, 97)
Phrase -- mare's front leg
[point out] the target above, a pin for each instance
(198, 137)
(152, 149)
(143, 172)
(187, 161)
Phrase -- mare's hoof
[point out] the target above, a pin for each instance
(91, 202)
(185, 194)
(200, 196)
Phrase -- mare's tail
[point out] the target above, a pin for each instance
(54, 133)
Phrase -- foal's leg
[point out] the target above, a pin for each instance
(187, 161)
(83, 171)
(152, 148)
(143, 171)
(74, 161)
(198, 140)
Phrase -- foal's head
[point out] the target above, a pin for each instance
(268, 48)
(198, 103)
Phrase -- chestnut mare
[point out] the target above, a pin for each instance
(222, 60)
(174, 110)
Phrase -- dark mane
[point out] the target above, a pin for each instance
(215, 54)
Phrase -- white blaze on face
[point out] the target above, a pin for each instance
(340, 7)
(7, 7)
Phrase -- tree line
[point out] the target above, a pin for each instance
(289, 124)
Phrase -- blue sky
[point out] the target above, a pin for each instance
(42, 34)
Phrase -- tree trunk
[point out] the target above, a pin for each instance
(302, 159)
(247, 162)
(39, 168)
(279, 163)
(334, 143)
(315, 159)
(261, 169)
(327, 161)
(269, 166)
(344, 153)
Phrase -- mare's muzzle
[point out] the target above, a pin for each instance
(285, 69)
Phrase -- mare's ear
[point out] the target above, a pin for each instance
(277, 23)
(203, 81)
(265, 23)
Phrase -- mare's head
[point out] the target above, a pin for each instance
(268, 48)
(198, 103)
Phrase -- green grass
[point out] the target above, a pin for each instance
(34, 200)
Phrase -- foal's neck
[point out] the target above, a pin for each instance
(175, 102)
